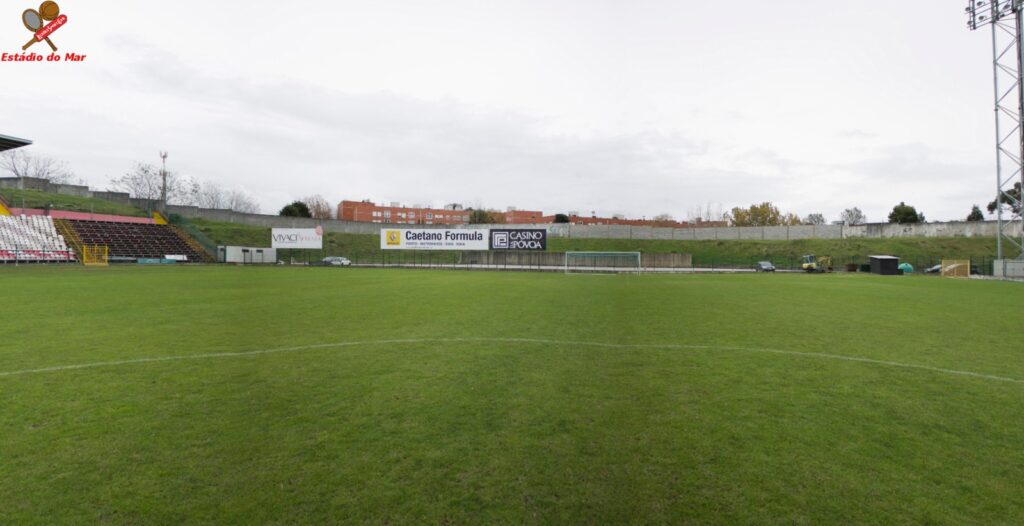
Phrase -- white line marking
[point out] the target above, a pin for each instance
(514, 340)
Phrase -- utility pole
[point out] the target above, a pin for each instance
(163, 177)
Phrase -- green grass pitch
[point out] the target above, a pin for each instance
(449, 397)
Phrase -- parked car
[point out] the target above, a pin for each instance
(933, 270)
(764, 266)
(333, 261)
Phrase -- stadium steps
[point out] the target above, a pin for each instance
(158, 218)
(199, 249)
(129, 241)
(5, 207)
(70, 237)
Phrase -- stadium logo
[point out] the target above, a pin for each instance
(519, 239)
(42, 23)
(394, 238)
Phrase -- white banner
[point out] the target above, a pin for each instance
(433, 239)
(312, 238)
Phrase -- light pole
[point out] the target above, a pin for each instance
(163, 187)
(1006, 19)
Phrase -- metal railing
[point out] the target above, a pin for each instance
(208, 245)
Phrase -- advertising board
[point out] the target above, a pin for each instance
(433, 239)
(307, 238)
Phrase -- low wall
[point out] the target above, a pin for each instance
(1008, 268)
(556, 259)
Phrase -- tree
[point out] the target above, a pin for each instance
(664, 220)
(295, 209)
(479, 216)
(976, 214)
(904, 213)
(144, 182)
(205, 194)
(764, 214)
(853, 217)
(561, 218)
(707, 213)
(814, 219)
(240, 201)
(19, 163)
(1010, 196)
(319, 208)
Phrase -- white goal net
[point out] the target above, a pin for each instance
(602, 262)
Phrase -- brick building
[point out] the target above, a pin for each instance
(367, 212)
(527, 217)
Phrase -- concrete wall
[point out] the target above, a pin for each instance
(31, 183)
(878, 230)
(1008, 268)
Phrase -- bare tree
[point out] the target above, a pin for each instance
(853, 216)
(319, 208)
(706, 213)
(240, 201)
(814, 219)
(207, 195)
(19, 163)
(144, 182)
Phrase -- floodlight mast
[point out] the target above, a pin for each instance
(1006, 18)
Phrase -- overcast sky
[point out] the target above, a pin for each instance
(638, 107)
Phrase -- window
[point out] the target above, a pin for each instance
(387, 214)
(376, 213)
(430, 216)
(412, 215)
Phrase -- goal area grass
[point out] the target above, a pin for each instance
(283, 395)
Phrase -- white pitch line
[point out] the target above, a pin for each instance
(513, 340)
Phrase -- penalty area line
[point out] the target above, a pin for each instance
(533, 341)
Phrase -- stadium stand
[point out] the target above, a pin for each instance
(128, 241)
(31, 239)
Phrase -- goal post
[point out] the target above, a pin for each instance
(602, 262)
(956, 268)
(95, 255)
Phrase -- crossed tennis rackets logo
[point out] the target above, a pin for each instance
(33, 20)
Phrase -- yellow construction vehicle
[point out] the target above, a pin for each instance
(810, 263)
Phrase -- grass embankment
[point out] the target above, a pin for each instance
(696, 399)
(920, 252)
(37, 199)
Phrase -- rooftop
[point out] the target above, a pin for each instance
(10, 143)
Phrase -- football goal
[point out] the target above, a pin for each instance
(956, 268)
(602, 262)
(95, 255)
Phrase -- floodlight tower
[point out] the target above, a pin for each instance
(1006, 18)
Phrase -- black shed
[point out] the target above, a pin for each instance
(885, 265)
